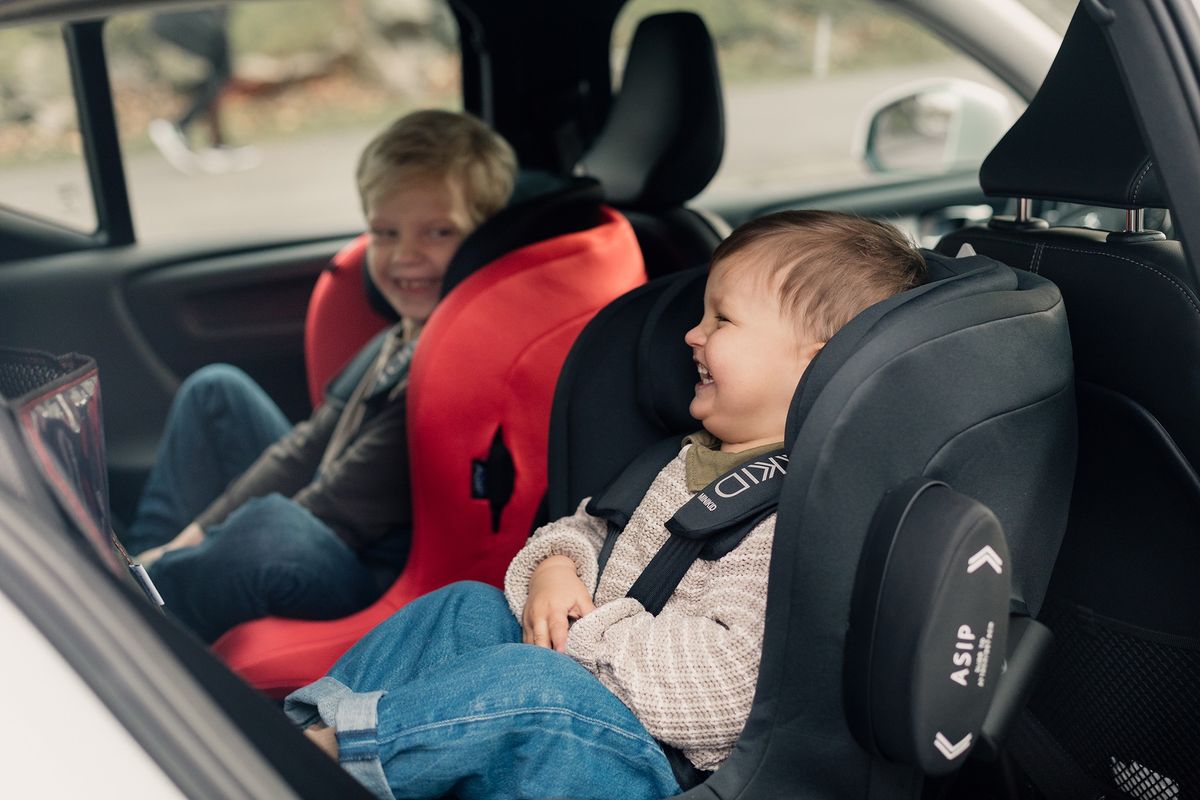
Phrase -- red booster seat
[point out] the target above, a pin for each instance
(518, 292)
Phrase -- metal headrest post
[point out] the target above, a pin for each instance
(1023, 221)
(1135, 229)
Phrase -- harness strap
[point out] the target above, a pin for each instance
(654, 587)
(709, 525)
(617, 502)
(342, 385)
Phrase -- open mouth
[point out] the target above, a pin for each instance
(416, 284)
(705, 375)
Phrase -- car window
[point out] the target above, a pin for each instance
(41, 156)
(297, 87)
(1055, 13)
(801, 80)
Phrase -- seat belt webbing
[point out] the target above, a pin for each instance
(709, 525)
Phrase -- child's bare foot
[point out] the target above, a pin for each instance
(323, 737)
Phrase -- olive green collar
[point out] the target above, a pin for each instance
(705, 462)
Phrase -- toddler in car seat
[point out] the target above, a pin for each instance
(244, 515)
(562, 684)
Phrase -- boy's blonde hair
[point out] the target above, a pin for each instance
(435, 143)
(829, 266)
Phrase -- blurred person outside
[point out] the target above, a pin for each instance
(203, 33)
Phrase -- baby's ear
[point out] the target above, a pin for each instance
(809, 351)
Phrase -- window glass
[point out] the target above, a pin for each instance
(41, 156)
(248, 119)
(1055, 13)
(802, 78)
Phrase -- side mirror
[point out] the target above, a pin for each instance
(934, 126)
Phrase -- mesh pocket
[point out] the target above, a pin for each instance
(1124, 704)
(22, 372)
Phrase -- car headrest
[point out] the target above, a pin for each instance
(1078, 140)
(543, 206)
(665, 133)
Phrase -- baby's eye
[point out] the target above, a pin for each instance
(720, 318)
(442, 233)
(383, 234)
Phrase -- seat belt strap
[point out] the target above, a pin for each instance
(617, 502)
(711, 524)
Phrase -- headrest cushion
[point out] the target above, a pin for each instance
(665, 133)
(948, 278)
(1078, 140)
(666, 374)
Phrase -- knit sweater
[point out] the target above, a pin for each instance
(689, 673)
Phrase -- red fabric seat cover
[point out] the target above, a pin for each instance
(488, 359)
(339, 319)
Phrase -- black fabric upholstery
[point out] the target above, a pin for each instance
(1122, 599)
(1134, 315)
(629, 373)
(967, 380)
(664, 140)
(1078, 139)
(675, 239)
(1109, 716)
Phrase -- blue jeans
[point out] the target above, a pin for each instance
(442, 697)
(270, 556)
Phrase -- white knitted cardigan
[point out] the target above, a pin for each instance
(689, 673)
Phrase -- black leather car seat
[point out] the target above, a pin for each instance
(1118, 713)
(966, 380)
(663, 142)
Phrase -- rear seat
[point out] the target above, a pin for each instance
(515, 296)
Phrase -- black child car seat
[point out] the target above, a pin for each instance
(965, 381)
(1119, 711)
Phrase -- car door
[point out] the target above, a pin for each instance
(157, 257)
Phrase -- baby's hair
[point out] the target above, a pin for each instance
(829, 266)
(441, 144)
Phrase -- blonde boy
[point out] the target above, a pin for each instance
(449, 695)
(245, 515)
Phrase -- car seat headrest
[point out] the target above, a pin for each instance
(543, 206)
(665, 133)
(928, 626)
(948, 278)
(1078, 140)
(666, 374)
(573, 207)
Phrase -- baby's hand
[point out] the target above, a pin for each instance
(556, 596)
